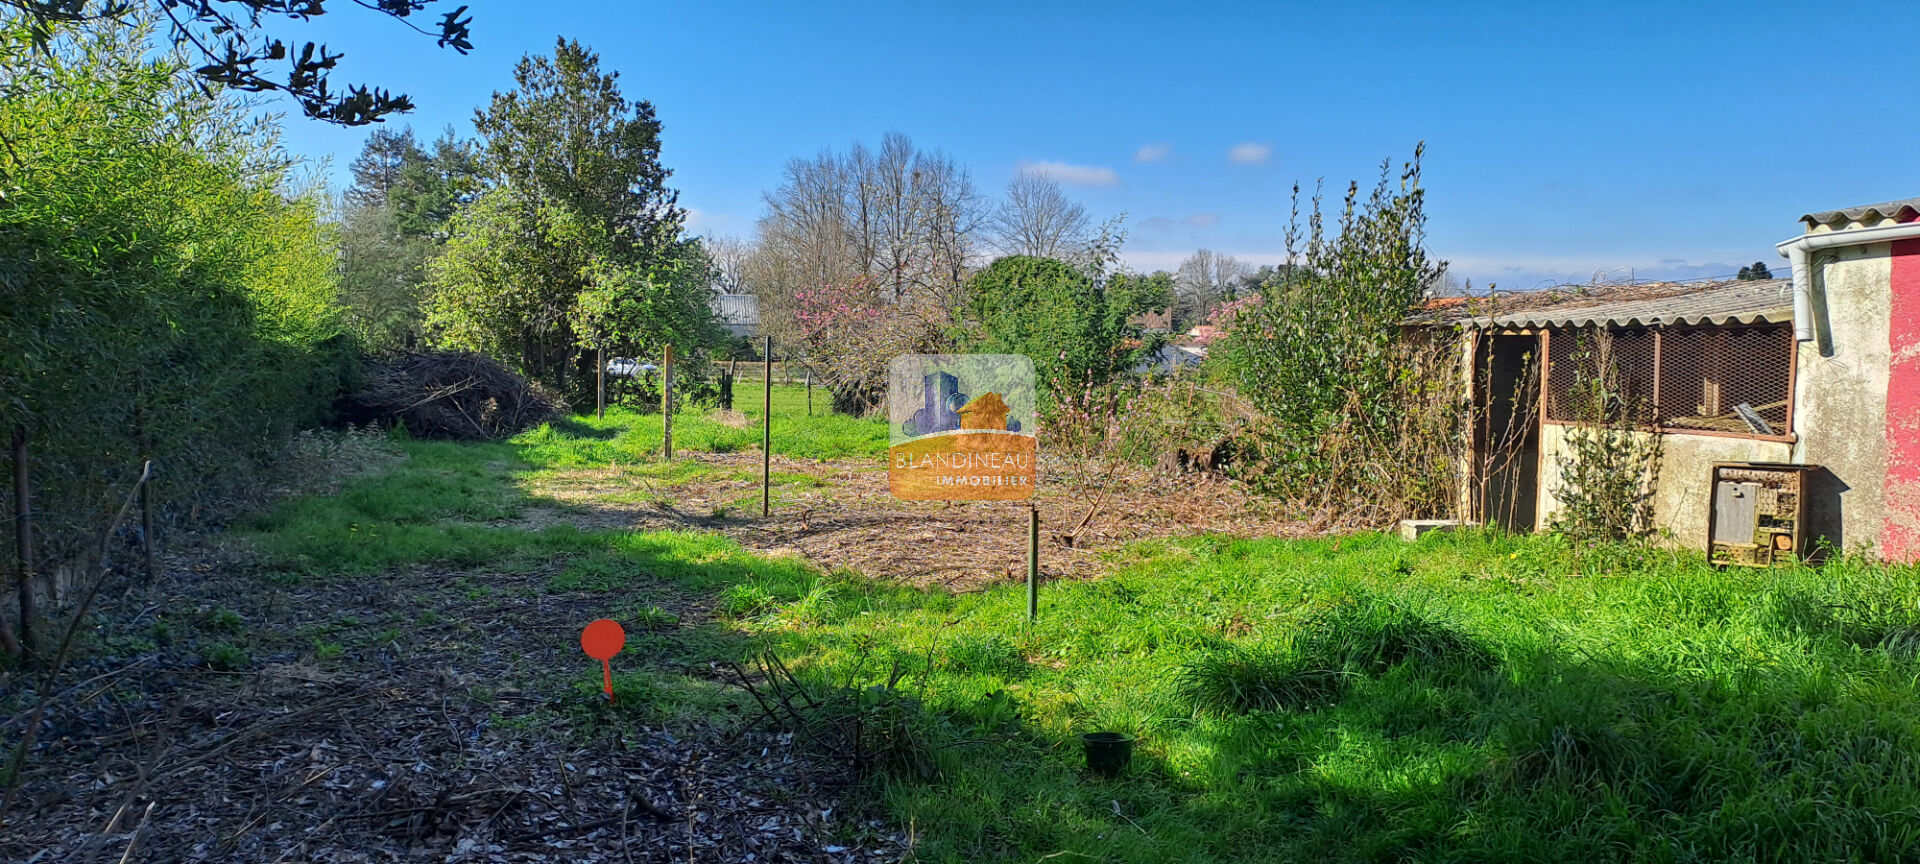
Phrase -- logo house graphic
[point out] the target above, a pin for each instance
(961, 427)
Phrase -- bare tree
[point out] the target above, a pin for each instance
(807, 225)
(901, 221)
(1038, 219)
(731, 259)
(1204, 281)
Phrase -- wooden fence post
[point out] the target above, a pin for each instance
(766, 434)
(809, 391)
(23, 537)
(666, 401)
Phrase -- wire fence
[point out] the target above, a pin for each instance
(1736, 380)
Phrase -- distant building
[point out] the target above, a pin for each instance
(739, 313)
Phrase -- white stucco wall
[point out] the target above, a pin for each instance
(1840, 398)
(1681, 498)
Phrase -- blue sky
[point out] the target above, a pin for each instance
(1659, 139)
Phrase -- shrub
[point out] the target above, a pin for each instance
(1611, 462)
(1074, 327)
(168, 295)
(1359, 417)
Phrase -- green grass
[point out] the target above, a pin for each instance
(1472, 698)
(630, 436)
(434, 505)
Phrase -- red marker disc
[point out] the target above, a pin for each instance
(602, 640)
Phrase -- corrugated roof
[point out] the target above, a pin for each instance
(1765, 301)
(1899, 211)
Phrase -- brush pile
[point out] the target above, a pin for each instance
(448, 394)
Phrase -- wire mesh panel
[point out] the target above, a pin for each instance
(1727, 379)
(1684, 390)
(1600, 375)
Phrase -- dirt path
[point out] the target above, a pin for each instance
(445, 726)
(848, 518)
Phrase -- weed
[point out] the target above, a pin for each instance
(223, 657)
(982, 654)
(745, 601)
(224, 620)
(1241, 679)
(1359, 637)
(655, 618)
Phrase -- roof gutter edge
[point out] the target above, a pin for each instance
(1798, 252)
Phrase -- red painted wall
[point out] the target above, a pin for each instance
(1900, 539)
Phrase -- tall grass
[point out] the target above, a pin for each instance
(1471, 698)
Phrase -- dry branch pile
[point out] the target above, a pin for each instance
(448, 394)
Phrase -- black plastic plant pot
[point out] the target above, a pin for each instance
(1107, 752)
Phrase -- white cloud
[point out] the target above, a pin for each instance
(1249, 153)
(706, 221)
(1152, 152)
(1202, 220)
(1156, 223)
(1073, 175)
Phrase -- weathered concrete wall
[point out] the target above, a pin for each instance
(1840, 397)
(1681, 498)
(1900, 536)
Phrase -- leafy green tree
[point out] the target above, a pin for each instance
(382, 275)
(566, 134)
(575, 239)
(430, 188)
(229, 39)
(635, 310)
(1076, 329)
(396, 217)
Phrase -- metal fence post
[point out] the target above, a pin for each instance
(666, 401)
(766, 434)
(1033, 562)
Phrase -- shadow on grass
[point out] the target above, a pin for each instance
(576, 428)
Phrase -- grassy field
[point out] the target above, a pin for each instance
(1472, 697)
(434, 505)
(627, 435)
